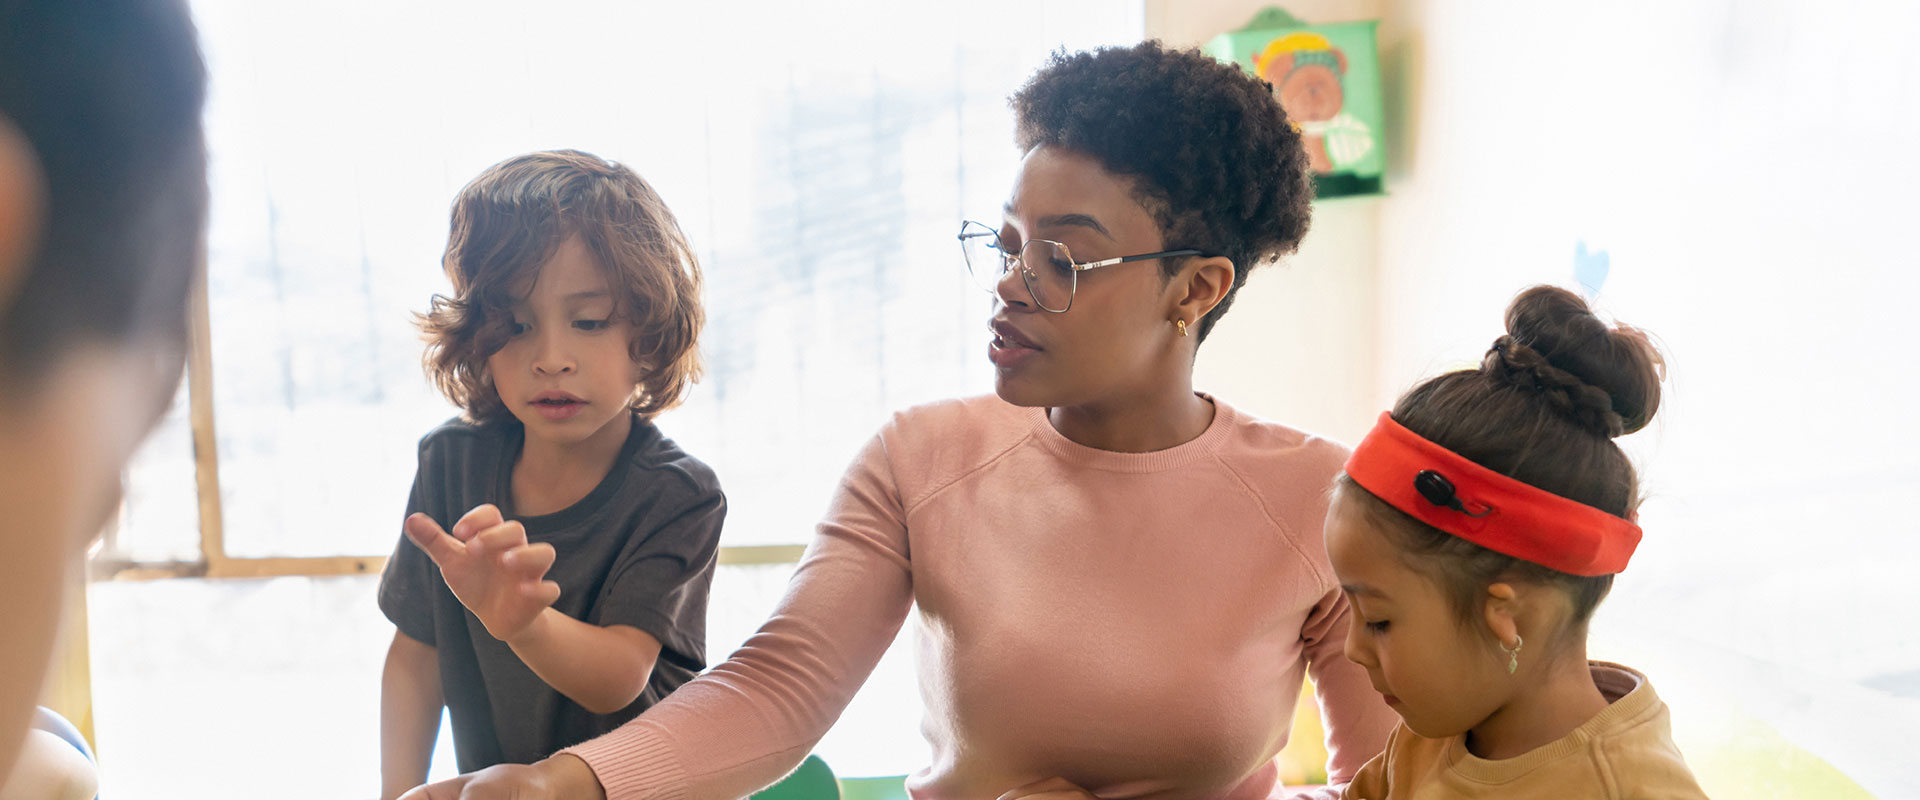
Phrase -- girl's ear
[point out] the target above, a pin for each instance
(1501, 607)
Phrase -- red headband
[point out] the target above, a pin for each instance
(1444, 489)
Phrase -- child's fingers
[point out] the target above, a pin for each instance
(544, 592)
(530, 561)
(500, 538)
(482, 517)
(426, 533)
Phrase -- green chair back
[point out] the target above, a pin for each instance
(893, 787)
(812, 781)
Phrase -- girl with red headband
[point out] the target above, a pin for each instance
(1474, 532)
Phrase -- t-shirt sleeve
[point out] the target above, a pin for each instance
(408, 582)
(663, 574)
(750, 720)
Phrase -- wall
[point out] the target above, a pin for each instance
(1747, 167)
(1299, 342)
(1744, 167)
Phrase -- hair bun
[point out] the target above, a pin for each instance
(1605, 378)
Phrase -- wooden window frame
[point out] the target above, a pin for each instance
(214, 561)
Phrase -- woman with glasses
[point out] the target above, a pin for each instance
(1119, 582)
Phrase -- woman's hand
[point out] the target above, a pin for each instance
(562, 777)
(1049, 789)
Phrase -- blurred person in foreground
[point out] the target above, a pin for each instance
(103, 202)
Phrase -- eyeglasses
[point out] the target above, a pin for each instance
(1047, 267)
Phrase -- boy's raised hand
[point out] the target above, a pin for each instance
(489, 565)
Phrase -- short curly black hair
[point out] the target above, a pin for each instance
(1212, 155)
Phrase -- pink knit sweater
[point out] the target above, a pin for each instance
(1137, 623)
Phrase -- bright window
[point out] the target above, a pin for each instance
(820, 156)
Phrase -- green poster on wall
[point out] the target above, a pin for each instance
(1328, 79)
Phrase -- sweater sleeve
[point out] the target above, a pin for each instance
(1357, 718)
(749, 721)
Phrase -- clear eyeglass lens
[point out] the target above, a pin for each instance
(980, 245)
(1049, 274)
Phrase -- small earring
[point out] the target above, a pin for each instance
(1513, 654)
(1182, 325)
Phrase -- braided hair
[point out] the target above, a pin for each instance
(1544, 408)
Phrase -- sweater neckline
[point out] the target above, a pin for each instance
(1195, 449)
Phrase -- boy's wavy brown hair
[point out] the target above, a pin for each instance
(511, 219)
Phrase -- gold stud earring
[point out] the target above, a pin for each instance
(1182, 325)
(1513, 654)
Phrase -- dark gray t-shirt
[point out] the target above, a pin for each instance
(638, 550)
